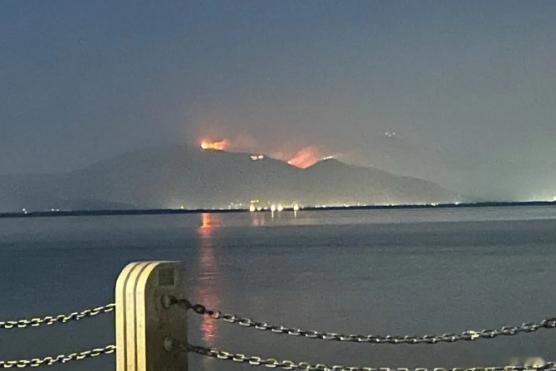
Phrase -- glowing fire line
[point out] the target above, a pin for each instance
(218, 145)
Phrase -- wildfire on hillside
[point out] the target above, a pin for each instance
(217, 145)
(305, 157)
(301, 158)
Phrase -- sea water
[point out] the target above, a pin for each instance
(410, 271)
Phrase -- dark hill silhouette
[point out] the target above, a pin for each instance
(178, 175)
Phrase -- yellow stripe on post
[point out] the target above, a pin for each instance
(143, 324)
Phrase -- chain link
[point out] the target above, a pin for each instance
(61, 358)
(306, 366)
(468, 335)
(60, 318)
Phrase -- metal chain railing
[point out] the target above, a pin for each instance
(54, 319)
(468, 335)
(306, 366)
(60, 358)
(51, 320)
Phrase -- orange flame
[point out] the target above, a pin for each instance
(217, 145)
(305, 157)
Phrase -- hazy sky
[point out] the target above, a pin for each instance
(468, 87)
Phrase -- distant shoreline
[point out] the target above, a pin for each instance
(62, 213)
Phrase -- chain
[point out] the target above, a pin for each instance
(468, 335)
(291, 365)
(60, 318)
(61, 358)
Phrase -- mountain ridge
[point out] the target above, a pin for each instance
(176, 176)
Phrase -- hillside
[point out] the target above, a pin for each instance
(173, 176)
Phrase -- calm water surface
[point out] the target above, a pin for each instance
(374, 271)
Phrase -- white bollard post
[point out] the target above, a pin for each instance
(145, 324)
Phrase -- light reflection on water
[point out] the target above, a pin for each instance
(258, 219)
(207, 291)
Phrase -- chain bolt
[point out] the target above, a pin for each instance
(168, 344)
(167, 301)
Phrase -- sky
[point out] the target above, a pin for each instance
(459, 92)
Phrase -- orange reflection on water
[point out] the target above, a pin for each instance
(208, 273)
(209, 222)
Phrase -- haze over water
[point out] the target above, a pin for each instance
(371, 271)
